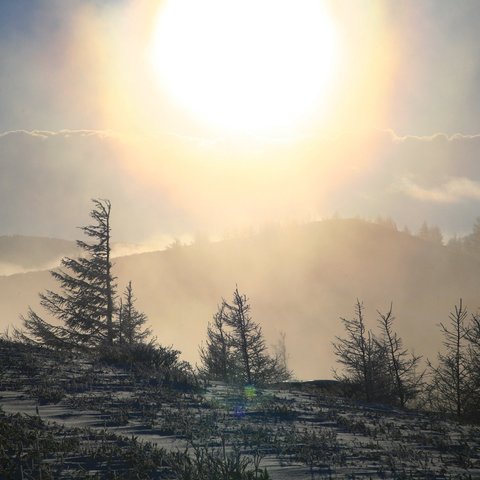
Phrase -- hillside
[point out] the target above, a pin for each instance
(19, 253)
(299, 279)
(75, 416)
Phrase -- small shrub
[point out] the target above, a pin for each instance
(48, 394)
(149, 361)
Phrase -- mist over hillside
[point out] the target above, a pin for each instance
(19, 253)
(299, 279)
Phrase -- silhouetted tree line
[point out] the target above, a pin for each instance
(430, 233)
(470, 243)
(378, 368)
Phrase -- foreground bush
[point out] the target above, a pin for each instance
(149, 360)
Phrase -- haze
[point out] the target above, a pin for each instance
(253, 114)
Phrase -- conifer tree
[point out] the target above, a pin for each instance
(236, 349)
(472, 241)
(216, 355)
(362, 357)
(255, 365)
(402, 366)
(431, 234)
(130, 320)
(473, 337)
(281, 353)
(452, 383)
(84, 305)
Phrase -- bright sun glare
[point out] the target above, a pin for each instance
(246, 65)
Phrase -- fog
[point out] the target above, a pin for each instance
(299, 279)
(84, 117)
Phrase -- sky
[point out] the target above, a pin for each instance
(211, 116)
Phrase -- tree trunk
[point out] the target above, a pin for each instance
(109, 281)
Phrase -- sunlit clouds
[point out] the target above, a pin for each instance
(191, 189)
(452, 191)
(225, 114)
(233, 118)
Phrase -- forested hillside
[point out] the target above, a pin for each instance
(299, 279)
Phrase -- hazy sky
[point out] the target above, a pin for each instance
(190, 117)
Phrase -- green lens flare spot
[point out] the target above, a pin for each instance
(250, 392)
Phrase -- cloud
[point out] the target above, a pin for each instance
(453, 191)
(47, 179)
(436, 137)
(174, 185)
(45, 134)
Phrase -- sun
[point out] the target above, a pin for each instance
(246, 65)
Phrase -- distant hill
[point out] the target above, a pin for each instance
(20, 253)
(299, 279)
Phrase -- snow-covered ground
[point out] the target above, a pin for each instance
(299, 433)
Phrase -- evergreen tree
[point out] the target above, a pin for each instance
(431, 234)
(246, 338)
(363, 358)
(236, 349)
(387, 222)
(472, 242)
(473, 336)
(456, 244)
(130, 320)
(281, 353)
(85, 304)
(216, 355)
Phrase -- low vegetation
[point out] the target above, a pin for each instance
(112, 423)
